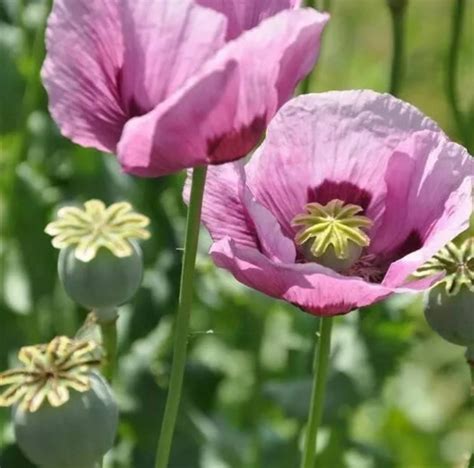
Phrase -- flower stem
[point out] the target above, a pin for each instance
(109, 343)
(183, 317)
(320, 369)
(452, 69)
(472, 379)
(306, 83)
(470, 362)
(397, 13)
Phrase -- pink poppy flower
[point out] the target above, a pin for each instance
(348, 195)
(171, 84)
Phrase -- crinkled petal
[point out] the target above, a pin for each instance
(219, 116)
(312, 287)
(244, 15)
(230, 210)
(84, 57)
(223, 212)
(330, 145)
(165, 43)
(273, 243)
(177, 133)
(429, 200)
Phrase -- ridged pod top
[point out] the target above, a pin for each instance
(49, 372)
(97, 226)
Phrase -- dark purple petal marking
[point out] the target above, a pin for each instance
(348, 192)
(237, 144)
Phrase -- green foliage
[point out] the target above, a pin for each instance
(398, 395)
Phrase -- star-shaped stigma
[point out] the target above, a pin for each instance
(49, 371)
(457, 264)
(98, 226)
(336, 224)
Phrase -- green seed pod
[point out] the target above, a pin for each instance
(449, 305)
(331, 260)
(100, 263)
(451, 316)
(75, 435)
(105, 281)
(64, 413)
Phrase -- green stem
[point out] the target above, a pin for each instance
(471, 365)
(452, 69)
(320, 369)
(326, 5)
(470, 362)
(109, 343)
(397, 13)
(256, 403)
(183, 318)
(322, 5)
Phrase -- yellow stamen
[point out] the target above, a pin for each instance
(333, 230)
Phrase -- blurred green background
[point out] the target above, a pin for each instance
(398, 395)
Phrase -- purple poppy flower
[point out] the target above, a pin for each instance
(348, 195)
(171, 84)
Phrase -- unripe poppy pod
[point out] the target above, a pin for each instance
(76, 434)
(451, 316)
(64, 413)
(100, 263)
(105, 281)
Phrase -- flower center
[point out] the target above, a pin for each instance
(457, 263)
(332, 235)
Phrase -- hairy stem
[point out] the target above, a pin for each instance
(397, 13)
(459, 7)
(320, 370)
(319, 5)
(183, 317)
(109, 343)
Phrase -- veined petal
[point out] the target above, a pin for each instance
(327, 146)
(165, 43)
(314, 288)
(244, 15)
(223, 210)
(176, 134)
(429, 193)
(84, 57)
(230, 210)
(220, 115)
